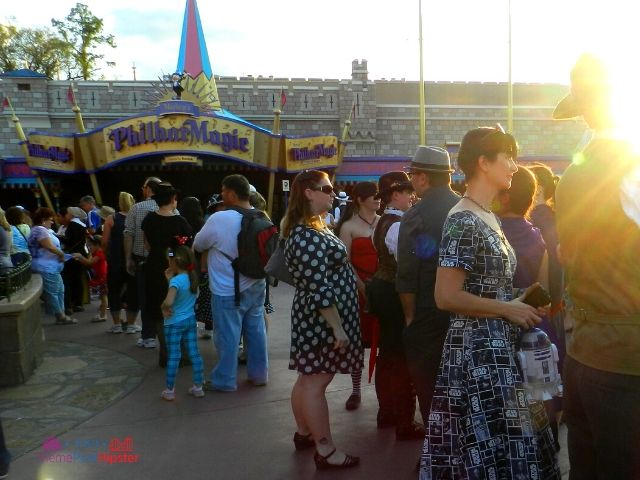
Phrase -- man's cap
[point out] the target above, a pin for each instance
(431, 159)
(342, 196)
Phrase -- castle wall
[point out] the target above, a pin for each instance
(385, 121)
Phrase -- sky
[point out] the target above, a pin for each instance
(464, 40)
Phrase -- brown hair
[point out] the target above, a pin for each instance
(185, 259)
(361, 191)
(522, 190)
(42, 214)
(546, 179)
(487, 141)
(299, 208)
(16, 216)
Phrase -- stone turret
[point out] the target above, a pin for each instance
(359, 70)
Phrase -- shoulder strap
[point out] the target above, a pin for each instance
(23, 236)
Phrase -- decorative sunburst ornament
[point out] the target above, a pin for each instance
(193, 81)
(201, 91)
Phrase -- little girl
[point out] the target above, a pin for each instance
(98, 263)
(179, 319)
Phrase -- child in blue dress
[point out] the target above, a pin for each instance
(179, 319)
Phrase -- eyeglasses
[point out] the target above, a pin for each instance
(326, 189)
(498, 129)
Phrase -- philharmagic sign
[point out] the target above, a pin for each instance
(191, 132)
(179, 133)
(55, 153)
(175, 133)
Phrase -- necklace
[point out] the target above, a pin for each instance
(499, 231)
(368, 223)
(484, 209)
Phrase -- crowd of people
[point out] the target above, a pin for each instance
(436, 284)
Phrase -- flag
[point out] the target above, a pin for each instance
(283, 98)
(5, 103)
(70, 96)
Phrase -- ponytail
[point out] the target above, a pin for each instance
(185, 260)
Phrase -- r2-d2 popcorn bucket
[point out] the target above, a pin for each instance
(538, 359)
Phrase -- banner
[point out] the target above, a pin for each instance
(176, 133)
(51, 153)
(311, 152)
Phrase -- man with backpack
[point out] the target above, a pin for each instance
(238, 240)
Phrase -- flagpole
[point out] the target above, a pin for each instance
(24, 143)
(88, 161)
(342, 145)
(510, 84)
(272, 175)
(423, 133)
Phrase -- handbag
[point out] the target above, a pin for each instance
(276, 267)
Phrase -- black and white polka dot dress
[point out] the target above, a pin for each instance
(323, 277)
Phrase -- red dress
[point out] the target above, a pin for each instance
(364, 258)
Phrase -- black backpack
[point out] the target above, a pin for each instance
(257, 240)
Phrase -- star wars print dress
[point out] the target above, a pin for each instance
(481, 425)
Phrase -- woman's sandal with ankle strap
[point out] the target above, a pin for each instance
(302, 442)
(322, 463)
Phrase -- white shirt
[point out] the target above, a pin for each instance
(336, 211)
(391, 238)
(220, 234)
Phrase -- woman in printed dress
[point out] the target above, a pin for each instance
(325, 328)
(481, 424)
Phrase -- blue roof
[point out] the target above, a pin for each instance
(232, 116)
(23, 73)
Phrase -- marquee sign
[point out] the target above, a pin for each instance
(176, 133)
(179, 132)
(311, 152)
(52, 153)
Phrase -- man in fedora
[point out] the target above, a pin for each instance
(342, 198)
(418, 244)
(598, 218)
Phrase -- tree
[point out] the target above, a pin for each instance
(42, 51)
(82, 30)
(9, 58)
(38, 49)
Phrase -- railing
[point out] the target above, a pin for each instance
(15, 279)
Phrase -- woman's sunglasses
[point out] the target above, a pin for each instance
(326, 189)
(497, 130)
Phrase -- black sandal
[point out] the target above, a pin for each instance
(353, 402)
(323, 464)
(302, 442)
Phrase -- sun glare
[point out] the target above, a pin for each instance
(625, 97)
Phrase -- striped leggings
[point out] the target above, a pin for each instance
(182, 332)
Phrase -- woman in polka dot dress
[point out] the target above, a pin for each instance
(325, 328)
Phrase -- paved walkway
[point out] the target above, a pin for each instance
(97, 394)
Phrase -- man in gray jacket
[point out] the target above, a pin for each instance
(418, 245)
